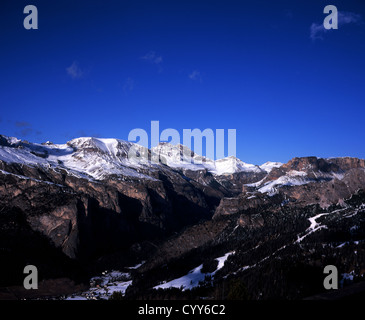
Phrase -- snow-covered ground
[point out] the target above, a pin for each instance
(292, 178)
(314, 226)
(102, 287)
(268, 166)
(194, 276)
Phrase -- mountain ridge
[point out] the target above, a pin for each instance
(117, 148)
(92, 208)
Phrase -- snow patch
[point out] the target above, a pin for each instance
(294, 178)
(268, 166)
(102, 287)
(232, 164)
(194, 276)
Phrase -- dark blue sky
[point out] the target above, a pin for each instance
(265, 68)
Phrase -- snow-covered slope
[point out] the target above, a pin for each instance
(100, 158)
(179, 156)
(292, 178)
(87, 157)
(195, 276)
(231, 165)
(268, 166)
(182, 157)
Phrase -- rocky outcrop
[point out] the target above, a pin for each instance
(300, 182)
(190, 238)
(84, 217)
(246, 202)
(100, 203)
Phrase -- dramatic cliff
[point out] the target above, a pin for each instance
(75, 208)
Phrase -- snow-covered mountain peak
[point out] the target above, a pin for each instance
(101, 157)
(232, 164)
(180, 156)
(113, 147)
(269, 165)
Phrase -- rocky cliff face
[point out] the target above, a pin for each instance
(107, 213)
(96, 210)
(86, 199)
(301, 182)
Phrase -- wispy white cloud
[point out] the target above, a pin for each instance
(195, 75)
(317, 30)
(74, 71)
(152, 57)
